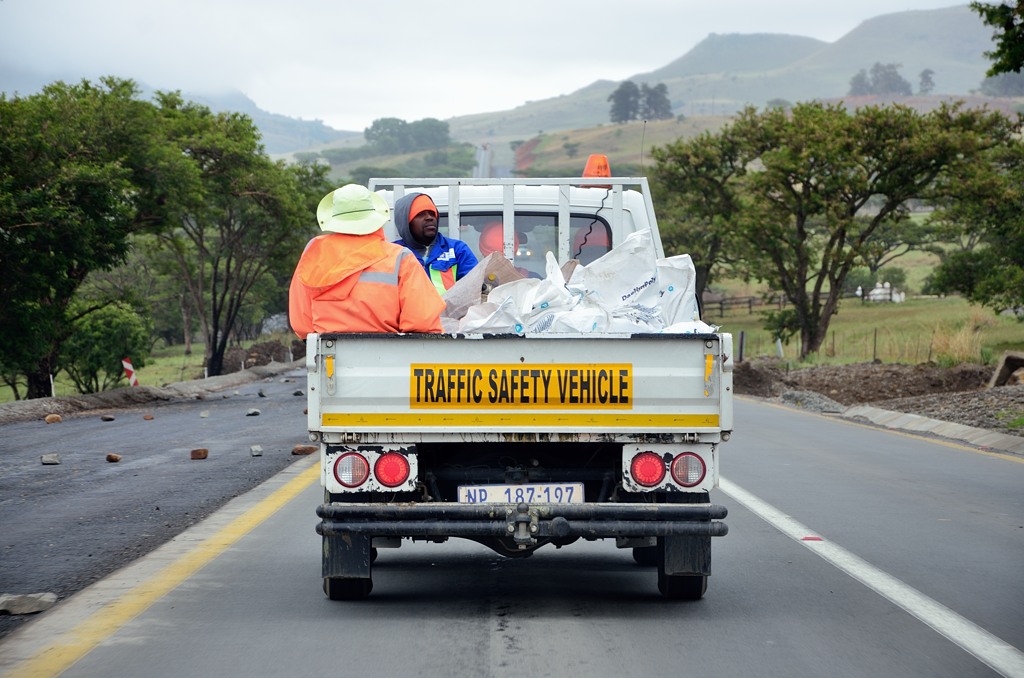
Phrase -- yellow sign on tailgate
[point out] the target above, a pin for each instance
(560, 386)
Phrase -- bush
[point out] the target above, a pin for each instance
(92, 355)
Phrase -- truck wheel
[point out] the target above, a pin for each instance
(337, 588)
(646, 555)
(682, 586)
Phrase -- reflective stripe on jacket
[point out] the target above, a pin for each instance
(361, 283)
(443, 280)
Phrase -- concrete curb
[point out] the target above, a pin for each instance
(914, 423)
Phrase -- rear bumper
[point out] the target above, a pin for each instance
(523, 522)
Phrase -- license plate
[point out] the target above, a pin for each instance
(534, 493)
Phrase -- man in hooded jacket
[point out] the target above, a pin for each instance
(350, 279)
(445, 260)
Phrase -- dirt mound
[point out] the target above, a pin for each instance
(237, 359)
(858, 383)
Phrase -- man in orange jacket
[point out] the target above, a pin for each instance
(351, 279)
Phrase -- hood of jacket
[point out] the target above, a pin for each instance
(400, 215)
(333, 257)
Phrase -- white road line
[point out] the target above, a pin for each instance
(995, 652)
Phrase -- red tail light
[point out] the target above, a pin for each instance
(391, 469)
(647, 469)
(688, 469)
(351, 469)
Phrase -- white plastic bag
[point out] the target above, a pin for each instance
(677, 280)
(628, 290)
(490, 318)
(583, 318)
(533, 302)
(624, 282)
(625, 276)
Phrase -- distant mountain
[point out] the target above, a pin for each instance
(719, 76)
(280, 133)
(723, 73)
(738, 53)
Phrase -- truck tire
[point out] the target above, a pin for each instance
(646, 555)
(337, 588)
(677, 586)
(682, 586)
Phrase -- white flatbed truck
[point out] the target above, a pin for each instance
(520, 440)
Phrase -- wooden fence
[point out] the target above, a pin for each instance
(720, 307)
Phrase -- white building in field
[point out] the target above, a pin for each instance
(885, 292)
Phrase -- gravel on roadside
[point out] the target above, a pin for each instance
(999, 409)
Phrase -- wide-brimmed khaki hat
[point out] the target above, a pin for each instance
(352, 209)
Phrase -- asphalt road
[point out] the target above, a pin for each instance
(66, 526)
(852, 552)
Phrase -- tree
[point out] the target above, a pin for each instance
(698, 186)
(427, 134)
(926, 84)
(82, 167)
(654, 102)
(884, 79)
(808, 227)
(92, 354)
(896, 237)
(1007, 20)
(388, 135)
(394, 136)
(625, 102)
(247, 218)
(797, 216)
(860, 85)
(149, 281)
(1003, 85)
(986, 204)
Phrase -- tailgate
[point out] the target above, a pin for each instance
(510, 383)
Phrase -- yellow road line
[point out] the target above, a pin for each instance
(61, 654)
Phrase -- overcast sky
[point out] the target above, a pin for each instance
(348, 63)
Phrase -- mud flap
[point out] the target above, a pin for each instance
(686, 555)
(347, 555)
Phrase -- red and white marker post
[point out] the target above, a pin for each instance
(129, 371)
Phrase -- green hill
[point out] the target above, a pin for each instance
(725, 72)
(737, 53)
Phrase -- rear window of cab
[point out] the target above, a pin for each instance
(535, 236)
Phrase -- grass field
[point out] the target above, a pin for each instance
(170, 364)
(947, 331)
(166, 365)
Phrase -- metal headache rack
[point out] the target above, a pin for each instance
(547, 191)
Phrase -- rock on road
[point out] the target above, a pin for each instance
(70, 524)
